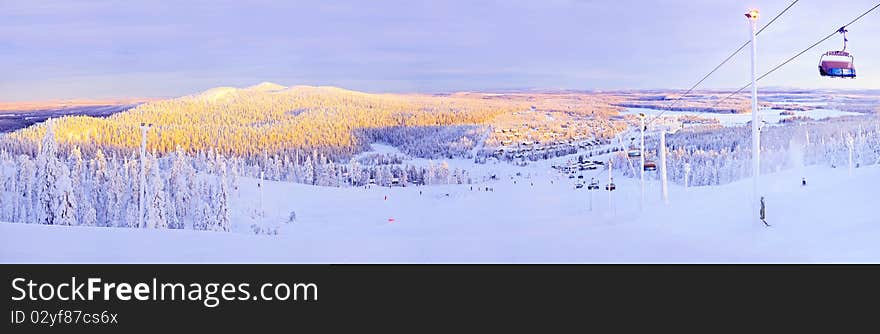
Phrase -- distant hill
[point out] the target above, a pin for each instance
(269, 118)
(18, 115)
(63, 104)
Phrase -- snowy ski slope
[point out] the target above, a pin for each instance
(832, 219)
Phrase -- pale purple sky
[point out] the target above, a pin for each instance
(104, 49)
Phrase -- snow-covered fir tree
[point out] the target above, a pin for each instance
(221, 199)
(56, 203)
(180, 188)
(156, 215)
(26, 193)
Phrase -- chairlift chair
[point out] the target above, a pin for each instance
(633, 152)
(838, 64)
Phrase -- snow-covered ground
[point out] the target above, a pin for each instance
(541, 218)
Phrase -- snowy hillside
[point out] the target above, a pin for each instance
(458, 178)
(832, 219)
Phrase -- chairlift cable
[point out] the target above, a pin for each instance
(686, 93)
(836, 31)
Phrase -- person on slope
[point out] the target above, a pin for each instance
(763, 212)
(803, 182)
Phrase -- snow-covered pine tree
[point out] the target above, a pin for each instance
(277, 170)
(354, 172)
(287, 170)
(180, 184)
(26, 179)
(328, 173)
(382, 177)
(222, 200)
(117, 194)
(404, 178)
(308, 171)
(206, 217)
(156, 215)
(100, 192)
(430, 173)
(67, 202)
(443, 173)
(54, 196)
(232, 166)
(210, 162)
(86, 213)
(132, 194)
(77, 166)
(8, 175)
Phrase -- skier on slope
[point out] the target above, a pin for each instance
(763, 212)
(803, 181)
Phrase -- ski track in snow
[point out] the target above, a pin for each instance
(833, 219)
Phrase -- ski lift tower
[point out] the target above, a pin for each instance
(752, 16)
(143, 174)
(664, 190)
(610, 182)
(642, 161)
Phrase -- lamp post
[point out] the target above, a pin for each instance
(752, 16)
(642, 160)
(143, 174)
(663, 185)
(262, 211)
(610, 183)
(591, 197)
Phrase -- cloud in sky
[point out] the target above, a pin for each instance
(98, 49)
